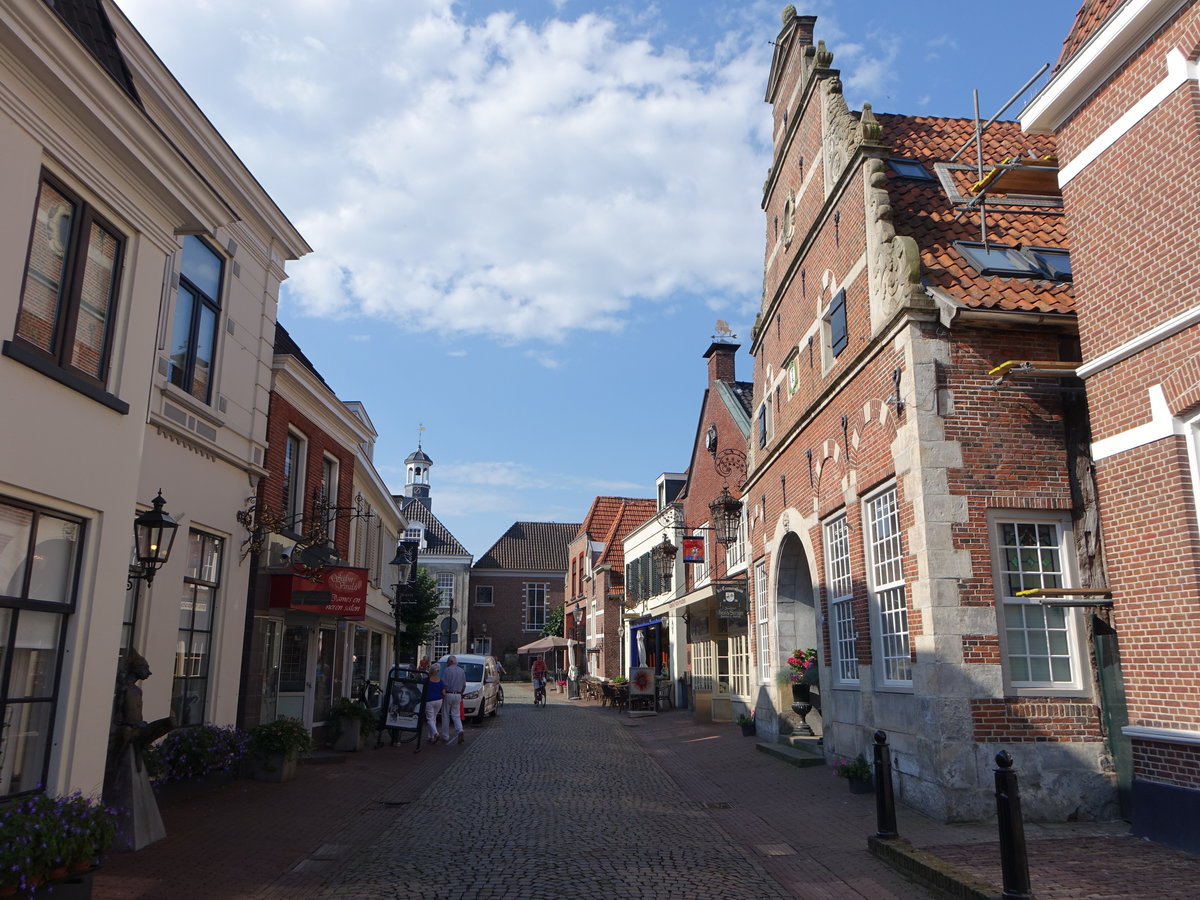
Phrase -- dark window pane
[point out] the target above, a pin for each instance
(96, 300)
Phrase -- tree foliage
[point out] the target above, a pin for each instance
(554, 622)
(418, 614)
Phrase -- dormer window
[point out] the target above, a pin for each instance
(1020, 262)
(910, 168)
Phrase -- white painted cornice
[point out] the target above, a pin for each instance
(1094, 63)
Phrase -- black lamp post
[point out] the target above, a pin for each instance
(153, 536)
(404, 565)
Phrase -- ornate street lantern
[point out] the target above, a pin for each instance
(664, 557)
(726, 515)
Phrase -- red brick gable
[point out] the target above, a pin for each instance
(924, 212)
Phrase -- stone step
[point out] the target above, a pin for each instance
(800, 752)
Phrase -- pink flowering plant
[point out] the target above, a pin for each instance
(803, 666)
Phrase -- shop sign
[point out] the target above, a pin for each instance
(693, 549)
(341, 591)
(732, 603)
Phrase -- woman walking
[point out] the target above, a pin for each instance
(434, 689)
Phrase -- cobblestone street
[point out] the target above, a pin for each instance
(564, 802)
(580, 801)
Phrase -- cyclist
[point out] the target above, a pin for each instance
(538, 673)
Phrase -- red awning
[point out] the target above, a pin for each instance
(340, 591)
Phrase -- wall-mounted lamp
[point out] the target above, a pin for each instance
(664, 554)
(153, 537)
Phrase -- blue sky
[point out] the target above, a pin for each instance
(528, 217)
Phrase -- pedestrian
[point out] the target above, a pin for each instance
(455, 683)
(434, 690)
(423, 665)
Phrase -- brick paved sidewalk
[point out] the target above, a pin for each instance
(814, 821)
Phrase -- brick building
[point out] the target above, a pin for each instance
(514, 587)
(684, 627)
(1123, 104)
(596, 578)
(909, 474)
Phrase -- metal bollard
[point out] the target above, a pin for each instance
(885, 799)
(1014, 863)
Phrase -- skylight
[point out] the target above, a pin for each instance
(910, 168)
(1029, 262)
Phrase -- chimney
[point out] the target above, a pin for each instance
(721, 365)
(805, 26)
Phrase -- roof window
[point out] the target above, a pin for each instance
(910, 168)
(1021, 262)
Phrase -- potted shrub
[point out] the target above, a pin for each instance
(275, 748)
(49, 839)
(352, 724)
(195, 758)
(747, 722)
(857, 772)
(802, 671)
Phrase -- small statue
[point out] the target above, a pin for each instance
(126, 783)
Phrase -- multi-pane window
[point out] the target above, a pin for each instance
(703, 666)
(700, 569)
(887, 585)
(38, 578)
(535, 606)
(483, 595)
(197, 613)
(197, 309)
(840, 585)
(69, 293)
(739, 664)
(293, 480)
(735, 553)
(441, 645)
(762, 620)
(329, 490)
(445, 588)
(1038, 639)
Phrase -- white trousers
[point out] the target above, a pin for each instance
(431, 712)
(450, 707)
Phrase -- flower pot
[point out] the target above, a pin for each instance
(861, 785)
(275, 767)
(749, 730)
(350, 737)
(801, 692)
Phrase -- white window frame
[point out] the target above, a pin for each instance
(703, 666)
(892, 644)
(532, 590)
(839, 586)
(735, 553)
(293, 500)
(445, 589)
(762, 622)
(1071, 623)
(329, 487)
(700, 572)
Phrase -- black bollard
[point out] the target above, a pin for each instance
(885, 799)
(1014, 863)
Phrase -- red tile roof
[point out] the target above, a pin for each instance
(1092, 15)
(531, 545)
(608, 522)
(923, 211)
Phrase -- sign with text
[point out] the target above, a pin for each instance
(341, 591)
(732, 602)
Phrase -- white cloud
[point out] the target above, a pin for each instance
(508, 179)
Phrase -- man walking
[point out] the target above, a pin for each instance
(456, 682)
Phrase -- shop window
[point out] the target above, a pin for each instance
(39, 573)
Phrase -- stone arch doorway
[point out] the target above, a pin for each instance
(796, 615)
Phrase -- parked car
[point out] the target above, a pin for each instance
(482, 697)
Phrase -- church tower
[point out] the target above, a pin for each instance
(416, 481)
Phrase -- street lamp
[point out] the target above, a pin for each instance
(153, 537)
(726, 515)
(664, 555)
(404, 566)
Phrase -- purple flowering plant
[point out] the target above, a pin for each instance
(195, 751)
(41, 836)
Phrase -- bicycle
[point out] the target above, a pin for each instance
(539, 692)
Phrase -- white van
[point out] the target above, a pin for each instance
(482, 697)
